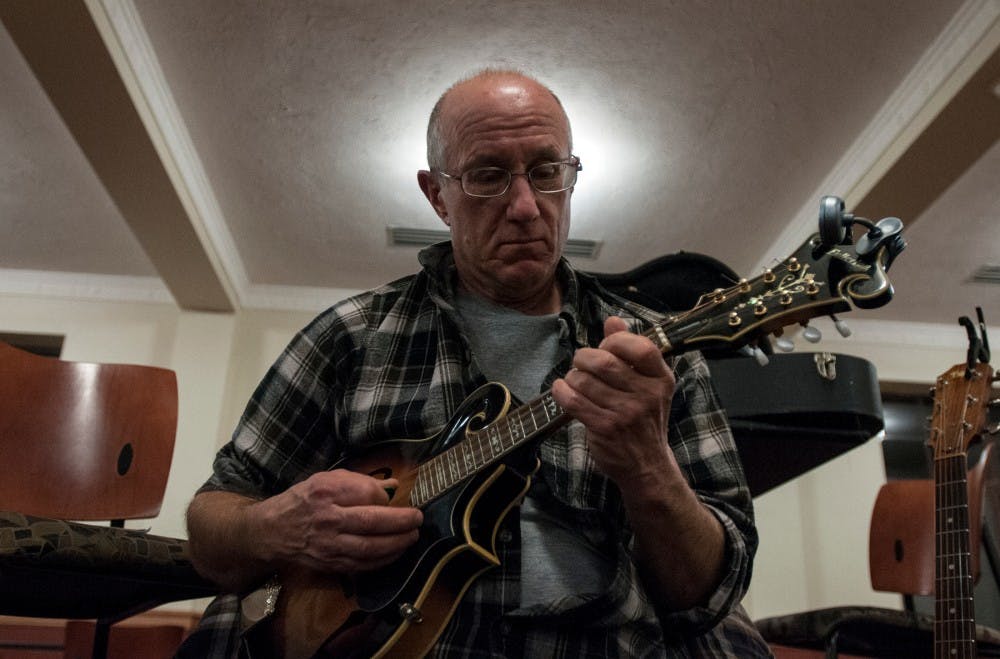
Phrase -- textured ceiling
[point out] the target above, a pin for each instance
(293, 132)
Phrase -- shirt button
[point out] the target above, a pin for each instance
(506, 536)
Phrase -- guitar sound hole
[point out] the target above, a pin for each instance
(384, 472)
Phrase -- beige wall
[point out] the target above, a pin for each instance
(814, 530)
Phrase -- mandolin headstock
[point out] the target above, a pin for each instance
(820, 278)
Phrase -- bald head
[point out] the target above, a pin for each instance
(488, 86)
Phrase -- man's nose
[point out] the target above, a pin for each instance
(523, 204)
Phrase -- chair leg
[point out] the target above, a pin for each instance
(831, 645)
(102, 631)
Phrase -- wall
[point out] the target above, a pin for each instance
(814, 530)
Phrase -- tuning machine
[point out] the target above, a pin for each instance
(811, 334)
(757, 352)
(759, 355)
(782, 342)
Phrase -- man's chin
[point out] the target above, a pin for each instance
(526, 272)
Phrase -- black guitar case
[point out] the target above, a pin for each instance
(792, 415)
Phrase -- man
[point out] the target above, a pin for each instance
(636, 536)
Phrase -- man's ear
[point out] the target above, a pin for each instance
(430, 184)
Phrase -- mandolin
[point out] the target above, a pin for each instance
(961, 398)
(469, 475)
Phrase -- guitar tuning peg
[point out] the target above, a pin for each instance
(811, 334)
(841, 326)
(784, 344)
(756, 353)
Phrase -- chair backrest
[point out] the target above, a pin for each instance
(84, 441)
(901, 541)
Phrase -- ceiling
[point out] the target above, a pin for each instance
(235, 154)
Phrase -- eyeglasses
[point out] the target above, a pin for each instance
(548, 177)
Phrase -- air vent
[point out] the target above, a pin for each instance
(403, 236)
(987, 274)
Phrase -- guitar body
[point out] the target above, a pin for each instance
(400, 610)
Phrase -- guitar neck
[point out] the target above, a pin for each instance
(961, 397)
(954, 610)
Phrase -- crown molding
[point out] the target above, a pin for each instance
(128, 43)
(88, 287)
(294, 298)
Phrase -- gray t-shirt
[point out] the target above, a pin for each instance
(519, 350)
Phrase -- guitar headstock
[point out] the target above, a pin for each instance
(818, 279)
(961, 400)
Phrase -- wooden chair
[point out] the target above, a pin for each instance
(901, 557)
(81, 443)
(125, 642)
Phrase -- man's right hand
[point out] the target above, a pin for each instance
(337, 521)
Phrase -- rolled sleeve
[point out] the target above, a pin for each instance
(706, 452)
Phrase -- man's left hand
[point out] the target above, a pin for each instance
(621, 391)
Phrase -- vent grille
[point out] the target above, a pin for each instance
(987, 274)
(407, 237)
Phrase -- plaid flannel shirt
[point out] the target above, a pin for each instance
(392, 363)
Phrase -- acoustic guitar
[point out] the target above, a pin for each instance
(469, 475)
(961, 397)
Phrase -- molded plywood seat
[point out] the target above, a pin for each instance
(80, 443)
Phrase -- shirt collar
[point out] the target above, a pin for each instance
(438, 261)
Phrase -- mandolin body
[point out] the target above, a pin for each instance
(401, 609)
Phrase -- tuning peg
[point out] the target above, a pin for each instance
(841, 326)
(759, 355)
(784, 344)
(811, 334)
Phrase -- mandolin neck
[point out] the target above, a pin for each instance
(484, 447)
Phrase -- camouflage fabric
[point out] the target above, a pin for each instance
(40, 542)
